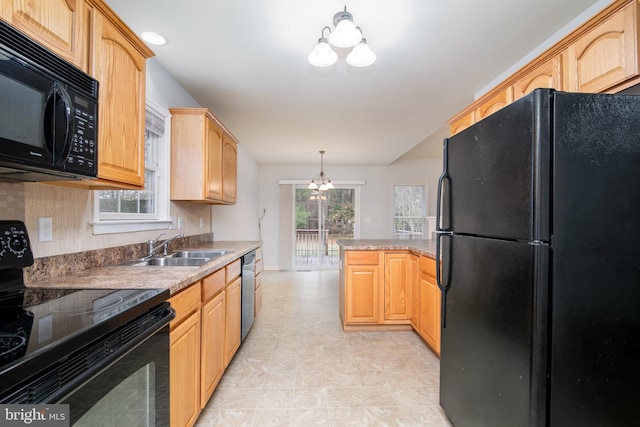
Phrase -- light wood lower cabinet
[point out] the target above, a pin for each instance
(204, 337)
(397, 286)
(213, 333)
(390, 290)
(184, 358)
(430, 305)
(233, 319)
(233, 312)
(415, 291)
(364, 275)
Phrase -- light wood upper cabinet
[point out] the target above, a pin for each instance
(60, 25)
(607, 54)
(599, 56)
(547, 75)
(493, 104)
(462, 123)
(120, 67)
(229, 169)
(203, 158)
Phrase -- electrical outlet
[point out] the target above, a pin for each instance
(45, 229)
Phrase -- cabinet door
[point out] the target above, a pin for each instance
(120, 68)
(60, 25)
(229, 169)
(547, 75)
(606, 55)
(415, 291)
(184, 372)
(494, 104)
(363, 294)
(213, 176)
(397, 286)
(462, 123)
(430, 305)
(213, 338)
(258, 295)
(233, 319)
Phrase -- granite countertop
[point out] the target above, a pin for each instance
(425, 247)
(148, 277)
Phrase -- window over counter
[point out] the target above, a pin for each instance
(118, 211)
(410, 211)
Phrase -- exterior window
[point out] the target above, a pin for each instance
(410, 211)
(139, 210)
(131, 204)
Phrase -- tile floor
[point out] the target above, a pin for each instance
(298, 368)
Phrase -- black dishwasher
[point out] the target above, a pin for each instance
(248, 291)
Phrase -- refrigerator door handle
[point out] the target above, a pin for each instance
(443, 285)
(441, 182)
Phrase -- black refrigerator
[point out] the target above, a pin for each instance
(539, 264)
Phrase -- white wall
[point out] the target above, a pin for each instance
(239, 221)
(376, 195)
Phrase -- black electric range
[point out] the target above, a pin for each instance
(46, 332)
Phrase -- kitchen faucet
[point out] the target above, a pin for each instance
(152, 244)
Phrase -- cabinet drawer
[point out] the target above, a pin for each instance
(259, 266)
(233, 270)
(213, 284)
(363, 257)
(428, 265)
(185, 303)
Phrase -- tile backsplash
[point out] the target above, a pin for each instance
(12, 201)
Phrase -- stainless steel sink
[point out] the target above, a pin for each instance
(199, 254)
(169, 262)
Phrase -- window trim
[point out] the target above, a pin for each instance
(426, 206)
(163, 221)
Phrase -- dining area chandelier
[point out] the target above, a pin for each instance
(345, 35)
(321, 182)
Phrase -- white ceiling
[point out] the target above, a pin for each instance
(247, 62)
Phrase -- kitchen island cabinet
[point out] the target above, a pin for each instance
(430, 307)
(397, 287)
(390, 285)
(376, 290)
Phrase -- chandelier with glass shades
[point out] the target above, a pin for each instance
(345, 35)
(320, 183)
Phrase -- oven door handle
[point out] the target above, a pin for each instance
(86, 374)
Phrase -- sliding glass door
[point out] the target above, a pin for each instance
(321, 218)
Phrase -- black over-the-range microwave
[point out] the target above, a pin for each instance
(48, 114)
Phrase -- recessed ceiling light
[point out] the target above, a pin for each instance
(153, 38)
